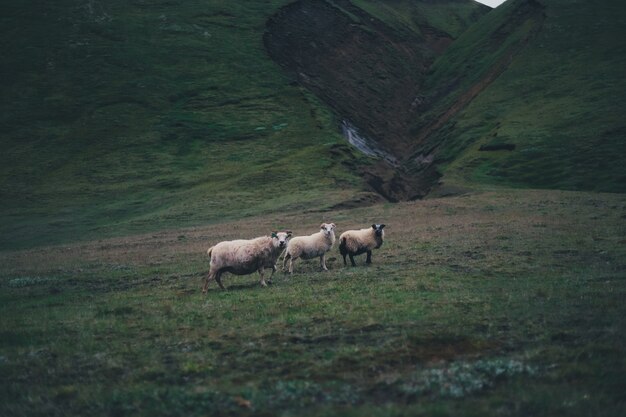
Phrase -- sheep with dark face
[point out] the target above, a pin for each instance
(243, 257)
(356, 242)
(307, 247)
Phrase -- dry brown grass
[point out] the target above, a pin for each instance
(485, 230)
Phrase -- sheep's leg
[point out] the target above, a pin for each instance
(323, 262)
(291, 260)
(209, 277)
(287, 256)
(352, 259)
(345, 263)
(218, 279)
(369, 257)
(269, 280)
(262, 274)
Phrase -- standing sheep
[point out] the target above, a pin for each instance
(307, 247)
(242, 257)
(356, 242)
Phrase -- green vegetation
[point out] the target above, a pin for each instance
(559, 99)
(507, 303)
(128, 116)
(125, 116)
(137, 133)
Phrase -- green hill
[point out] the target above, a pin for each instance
(119, 117)
(544, 77)
(126, 116)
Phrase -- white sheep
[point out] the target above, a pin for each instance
(242, 257)
(356, 242)
(307, 247)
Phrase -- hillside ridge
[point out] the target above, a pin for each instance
(376, 77)
(370, 73)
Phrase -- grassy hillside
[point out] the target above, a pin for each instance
(502, 304)
(123, 116)
(119, 116)
(557, 97)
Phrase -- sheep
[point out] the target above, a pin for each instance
(356, 242)
(242, 257)
(307, 247)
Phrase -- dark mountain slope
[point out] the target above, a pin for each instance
(369, 67)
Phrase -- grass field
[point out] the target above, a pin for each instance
(494, 303)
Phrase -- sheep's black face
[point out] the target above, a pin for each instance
(378, 228)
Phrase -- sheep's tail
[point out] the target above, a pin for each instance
(342, 246)
(209, 251)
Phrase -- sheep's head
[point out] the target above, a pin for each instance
(378, 230)
(328, 229)
(280, 239)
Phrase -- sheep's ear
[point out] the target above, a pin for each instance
(382, 225)
(274, 235)
(374, 226)
(322, 225)
(333, 225)
(288, 233)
